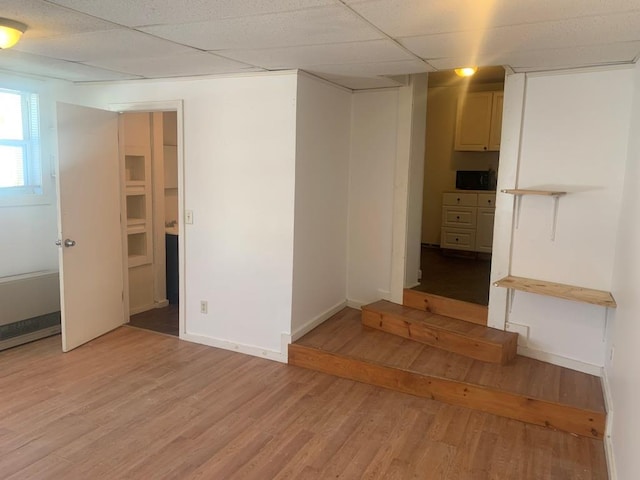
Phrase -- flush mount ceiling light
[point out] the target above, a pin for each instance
(10, 32)
(466, 71)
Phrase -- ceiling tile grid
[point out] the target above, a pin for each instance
(355, 43)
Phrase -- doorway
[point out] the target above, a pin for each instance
(149, 144)
(463, 128)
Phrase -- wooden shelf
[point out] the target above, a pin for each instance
(525, 191)
(559, 290)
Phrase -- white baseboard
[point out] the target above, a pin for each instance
(357, 304)
(161, 304)
(236, 347)
(560, 361)
(608, 443)
(314, 322)
(144, 308)
(412, 285)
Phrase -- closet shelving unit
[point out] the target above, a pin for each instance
(138, 197)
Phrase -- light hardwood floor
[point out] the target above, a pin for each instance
(137, 405)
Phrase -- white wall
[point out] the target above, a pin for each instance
(239, 173)
(374, 122)
(624, 332)
(416, 179)
(321, 183)
(28, 232)
(574, 135)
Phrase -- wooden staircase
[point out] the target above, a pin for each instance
(428, 354)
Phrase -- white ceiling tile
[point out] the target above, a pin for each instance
(333, 54)
(566, 33)
(45, 20)
(16, 61)
(372, 69)
(121, 43)
(198, 63)
(138, 13)
(574, 57)
(360, 83)
(551, 58)
(302, 27)
(403, 18)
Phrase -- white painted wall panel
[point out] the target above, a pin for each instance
(322, 171)
(371, 174)
(574, 136)
(239, 151)
(624, 334)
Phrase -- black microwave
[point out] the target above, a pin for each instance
(473, 180)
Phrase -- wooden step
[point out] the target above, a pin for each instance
(469, 312)
(464, 338)
(527, 390)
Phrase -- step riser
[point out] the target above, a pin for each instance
(505, 404)
(469, 312)
(440, 338)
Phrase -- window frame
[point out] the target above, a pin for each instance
(33, 190)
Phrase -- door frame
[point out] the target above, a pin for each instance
(512, 120)
(151, 107)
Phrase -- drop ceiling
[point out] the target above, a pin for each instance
(354, 43)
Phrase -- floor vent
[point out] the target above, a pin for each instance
(28, 330)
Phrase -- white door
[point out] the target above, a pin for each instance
(91, 276)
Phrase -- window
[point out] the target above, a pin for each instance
(20, 165)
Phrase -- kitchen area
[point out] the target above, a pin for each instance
(464, 119)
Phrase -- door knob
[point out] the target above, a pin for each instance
(69, 243)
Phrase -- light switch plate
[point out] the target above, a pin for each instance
(188, 217)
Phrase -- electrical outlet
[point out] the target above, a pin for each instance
(188, 216)
(204, 306)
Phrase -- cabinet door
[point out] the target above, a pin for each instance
(473, 121)
(484, 229)
(496, 121)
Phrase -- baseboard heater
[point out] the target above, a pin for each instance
(29, 307)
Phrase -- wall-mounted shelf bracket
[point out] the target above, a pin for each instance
(519, 192)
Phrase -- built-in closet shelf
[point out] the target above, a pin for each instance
(135, 189)
(138, 260)
(133, 222)
(526, 191)
(559, 290)
(136, 227)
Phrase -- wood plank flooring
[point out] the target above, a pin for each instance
(344, 334)
(137, 405)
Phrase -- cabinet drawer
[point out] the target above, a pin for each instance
(457, 239)
(487, 200)
(461, 199)
(459, 217)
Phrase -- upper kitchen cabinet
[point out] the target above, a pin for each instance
(479, 121)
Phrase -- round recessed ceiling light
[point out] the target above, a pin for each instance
(466, 71)
(10, 32)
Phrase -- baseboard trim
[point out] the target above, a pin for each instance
(235, 347)
(314, 322)
(560, 361)
(412, 285)
(144, 308)
(161, 303)
(357, 304)
(608, 442)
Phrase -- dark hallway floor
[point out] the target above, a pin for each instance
(454, 276)
(163, 320)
